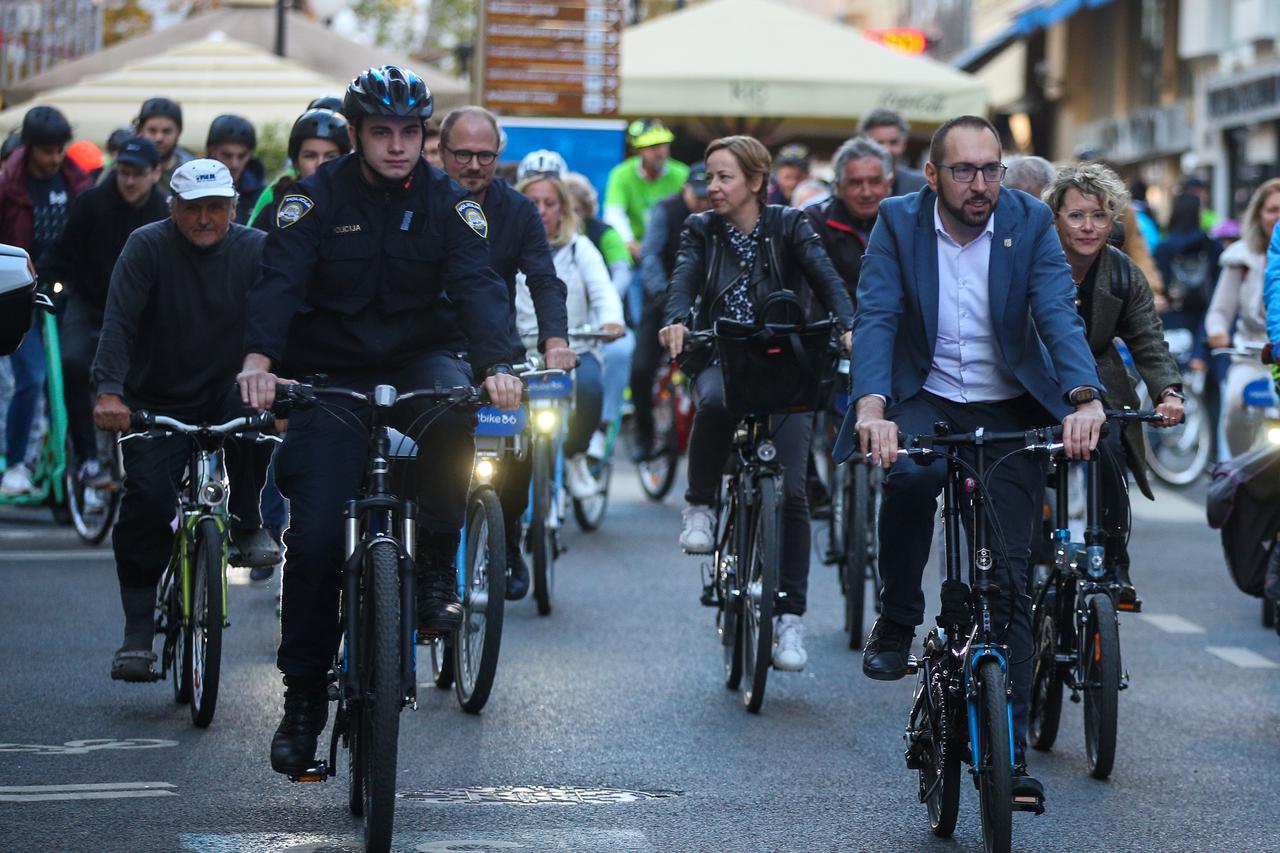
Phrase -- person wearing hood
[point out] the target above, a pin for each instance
(318, 136)
(232, 142)
(1188, 262)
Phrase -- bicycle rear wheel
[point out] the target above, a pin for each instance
(379, 716)
(1046, 678)
(177, 645)
(856, 552)
(940, 773)
(541, 532)
(477, 642)
(994, 764)
(589, 512)
(93, 510)
(759, 590)
(207, 618)
(1101, 655)
(658, 472)
(1178, 455)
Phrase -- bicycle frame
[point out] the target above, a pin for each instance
(205, 496)
(552, 395)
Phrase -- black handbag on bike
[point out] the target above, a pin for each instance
(777, 367)
(1244, 503)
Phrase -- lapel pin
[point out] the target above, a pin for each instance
(1008, 242)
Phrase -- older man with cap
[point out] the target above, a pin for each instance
(172, 341)
(98, 224)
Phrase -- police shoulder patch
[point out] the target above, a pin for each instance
(473, 216)
(292, 208)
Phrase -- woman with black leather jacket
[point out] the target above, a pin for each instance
(731, 259)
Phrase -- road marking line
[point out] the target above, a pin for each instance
(92, 791)
(1169, 506)
(1170, 623)
(77, 554)
(1242, 657)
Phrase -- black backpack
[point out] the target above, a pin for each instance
(1190, 281)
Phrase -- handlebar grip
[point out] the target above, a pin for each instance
(141, 420)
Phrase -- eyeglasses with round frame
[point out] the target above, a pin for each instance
(1075, 219)
(463, 156)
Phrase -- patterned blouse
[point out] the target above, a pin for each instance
(737, 301)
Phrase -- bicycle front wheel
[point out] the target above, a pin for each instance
(1046, 677)
(93, 510)
(1178, 455)
(207, 616)
(590, 511)
(658, 472)
(541, 532)
(379, 717)
(759, 590)
(994, 765)
(476, 644)
(1101, 685)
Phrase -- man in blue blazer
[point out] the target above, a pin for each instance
(966, 315)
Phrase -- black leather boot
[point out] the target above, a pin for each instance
(439, 610)
(517, 568)
(306, 711)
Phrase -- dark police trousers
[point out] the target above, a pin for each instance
(143, 537)
(321, 466)
(1016, 500)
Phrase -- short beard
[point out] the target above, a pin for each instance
(966, 219)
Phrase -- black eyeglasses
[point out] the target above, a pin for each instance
(967, 173)
(463, 156)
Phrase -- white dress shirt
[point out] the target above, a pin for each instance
(967, 364)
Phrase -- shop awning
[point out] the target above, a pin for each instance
(763, 59)
(1029, 20)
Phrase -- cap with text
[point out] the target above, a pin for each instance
(201, 179)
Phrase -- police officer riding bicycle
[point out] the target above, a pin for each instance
(377, 273)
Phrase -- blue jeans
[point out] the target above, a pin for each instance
(617, 373)
(28, 378)
(588, 400)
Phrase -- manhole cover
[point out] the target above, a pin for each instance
(534, 795)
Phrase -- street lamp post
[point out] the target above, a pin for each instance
(280, 13)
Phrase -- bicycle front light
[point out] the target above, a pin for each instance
(485, 469)
(1273, 435)
(545, 420)
(212, 494)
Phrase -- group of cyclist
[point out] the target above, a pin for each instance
(368, 262)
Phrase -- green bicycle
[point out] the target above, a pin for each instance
(191, 604)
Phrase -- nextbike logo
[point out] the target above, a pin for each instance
(498, 419)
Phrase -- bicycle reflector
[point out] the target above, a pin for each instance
(545, 420)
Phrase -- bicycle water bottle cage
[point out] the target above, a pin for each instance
(955, 604)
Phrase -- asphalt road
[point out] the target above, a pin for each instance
(618, 695)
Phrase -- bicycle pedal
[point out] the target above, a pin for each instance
(1130, 606)
(913, 665)
(318, 773)
(1035, 805)
(708, 597)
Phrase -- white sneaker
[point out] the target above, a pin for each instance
(595, 449)
(577, 476)
(17, 481)
(697, 535)
(789, 654)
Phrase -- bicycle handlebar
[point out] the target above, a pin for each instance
(144, 421)
(300, 395)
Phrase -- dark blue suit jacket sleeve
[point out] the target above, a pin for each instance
(875, 324)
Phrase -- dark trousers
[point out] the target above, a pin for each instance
(143, 536)
(1016, 497)
(321, 465)
(709, 446)
(81, 324)
(645, 364)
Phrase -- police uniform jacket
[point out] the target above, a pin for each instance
(356, 277)
(518, 243)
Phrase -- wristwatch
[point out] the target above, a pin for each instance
(1173, 392)
(1083, 394)
(499, 368)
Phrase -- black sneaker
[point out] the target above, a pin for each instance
(252, 547)
(884, 657)
(1271, 584)
(517, 574)
(1028, 793)
(306, 711)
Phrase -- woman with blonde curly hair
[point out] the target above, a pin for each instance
(1115, 301)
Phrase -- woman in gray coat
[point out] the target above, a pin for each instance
(1115, 301)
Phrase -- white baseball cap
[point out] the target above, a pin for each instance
(202, 178)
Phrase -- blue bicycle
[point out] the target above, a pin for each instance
(550, 404)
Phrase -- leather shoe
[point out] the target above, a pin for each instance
(884, 657)
(439, 608)
(306, 711)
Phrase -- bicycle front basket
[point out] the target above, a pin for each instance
(775, 368)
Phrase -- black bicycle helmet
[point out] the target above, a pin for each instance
(45, 126)
(319, 124)
(160, 107)
(387, 91)
(234, 129)
(326, 102)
